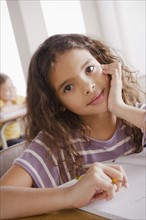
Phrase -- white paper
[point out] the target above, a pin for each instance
(128, 203)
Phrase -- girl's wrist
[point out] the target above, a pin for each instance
(143, 127)
(131, 114)
(68, 197)
(60, 198)
(118, 109)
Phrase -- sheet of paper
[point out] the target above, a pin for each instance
(128, 204)
(137, 158)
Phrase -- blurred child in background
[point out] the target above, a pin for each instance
(10, 102)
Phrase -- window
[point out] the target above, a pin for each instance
(63, 17)
(10, 61)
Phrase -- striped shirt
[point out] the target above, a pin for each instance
(36, 158)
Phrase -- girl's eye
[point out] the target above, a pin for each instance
(68, 88)
(89, 69)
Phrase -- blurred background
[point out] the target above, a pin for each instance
(25, 24)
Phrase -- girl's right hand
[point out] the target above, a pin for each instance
(115, 94)
(97, 184)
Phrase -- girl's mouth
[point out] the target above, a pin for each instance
(97, 99)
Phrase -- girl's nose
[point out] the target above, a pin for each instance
(88, 88)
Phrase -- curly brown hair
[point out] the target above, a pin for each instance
(43, 105)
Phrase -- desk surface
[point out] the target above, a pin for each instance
(8, 116)
(70, 214)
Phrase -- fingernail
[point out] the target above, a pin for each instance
(127, 185)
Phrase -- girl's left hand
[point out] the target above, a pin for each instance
(115, 93)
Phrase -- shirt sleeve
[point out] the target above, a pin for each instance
(1, 103)
(19, 100)
(40, 165)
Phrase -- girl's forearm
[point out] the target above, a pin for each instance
(19, 202)
(131, 114)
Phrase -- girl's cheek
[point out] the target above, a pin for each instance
(106, 78)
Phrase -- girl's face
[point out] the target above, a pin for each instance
(7, 91)
(80, 84)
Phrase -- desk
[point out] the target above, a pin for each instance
(69, 214)
(8, 118)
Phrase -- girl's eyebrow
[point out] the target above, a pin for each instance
(64, 83)
(70, 79)
(86, 63)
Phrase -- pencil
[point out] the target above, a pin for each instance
(115, 180)
(78, 177)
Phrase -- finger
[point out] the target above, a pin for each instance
(108, 187)
(115, 174)
(100, 196)
(100, 172)
(104, 66)
(115, 76)
(120, 168)
(115, 171)
(111, 68)
(119, 70)
(104, 172)
(125, 178)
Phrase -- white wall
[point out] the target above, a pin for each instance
(10, 60)
(119, 23)
(63, 17)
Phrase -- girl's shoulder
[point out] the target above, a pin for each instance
(41, 143)
(39, 162)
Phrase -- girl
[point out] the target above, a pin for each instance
(83, 108)
(10, 102)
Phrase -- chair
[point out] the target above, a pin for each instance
(7, 156)
(2, 133)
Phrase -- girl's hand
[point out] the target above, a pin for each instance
(115, 93)
(96, 184)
